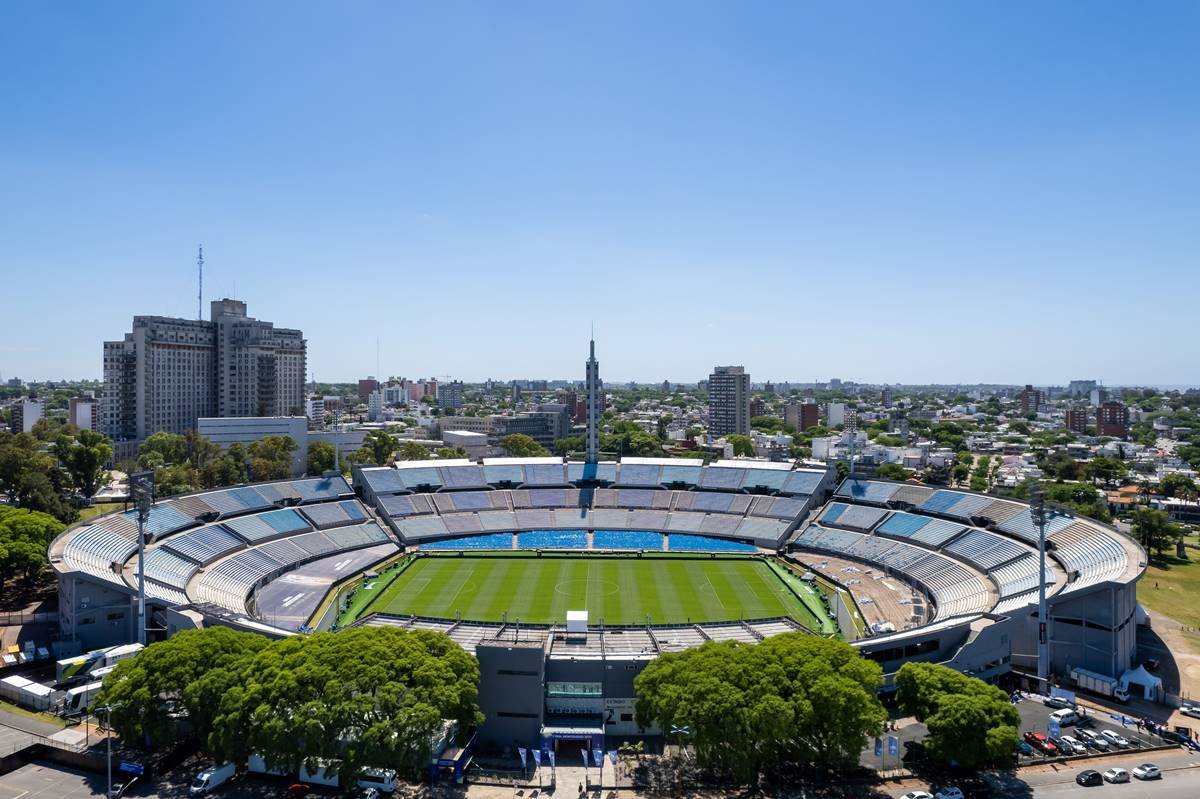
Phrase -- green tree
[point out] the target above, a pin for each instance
(791, 700)
(1106, 470)
(321, 457)
(33, 479)
(162, 449)
(412, 451)
(25, 536)
(892, 471)
(742, 445)
(450, 453)
(178, 479)
(520, 445)
(381, 445)
(1154, 529)
(153, 692)
(271, 458)
(1178, 485)
(569, 444)
(971, 723)
(83, 456)
(627, 438)
(362, 696)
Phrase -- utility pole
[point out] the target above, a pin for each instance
(141, 491)
(1037, 510)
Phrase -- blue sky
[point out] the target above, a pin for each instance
(876, 191)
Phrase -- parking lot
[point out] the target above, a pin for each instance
(1035, 717)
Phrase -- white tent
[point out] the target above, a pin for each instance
(1150, 685)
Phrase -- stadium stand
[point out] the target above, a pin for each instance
(334, 514)
(639, 474)
(205, 544)
(475, 542)
(867, 490)
(627, 539)
(552, 539)
(678, 542)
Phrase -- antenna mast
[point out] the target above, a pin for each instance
(200, 289)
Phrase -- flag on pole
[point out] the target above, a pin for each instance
(612, 755)
(598, 757)
(537, 757)
(878, 747)
(550, 752)
(523, 753)
(584, 752)
(893, 745)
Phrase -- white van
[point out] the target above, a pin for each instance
(381, 779)
(1065, 717)
(210, 778)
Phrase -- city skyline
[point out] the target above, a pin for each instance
(967, 195)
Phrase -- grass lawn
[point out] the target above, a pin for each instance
(1171, 587)
(99, 509)
(619, 590)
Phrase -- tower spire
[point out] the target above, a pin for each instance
(592, 373)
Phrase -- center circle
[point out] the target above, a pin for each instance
(566, 586)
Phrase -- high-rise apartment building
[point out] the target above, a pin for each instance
(167, 373)
(1031, 399)
(801, 416)
(835, 414)
(1077, 419)
(885, 397)
(450, 395)
(365, 387)
(84, 412)
(1112, 419)
(729, 401)
(26, 412)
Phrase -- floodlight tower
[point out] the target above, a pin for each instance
(592, 454)
(1037, 511)
(141, 491)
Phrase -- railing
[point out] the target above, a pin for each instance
(17, 619)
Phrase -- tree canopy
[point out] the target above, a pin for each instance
(33, 479)
(520, 445)
(321, 457)
(83, 456)
(971, 724)
(365, 696)
(742, 445)
(24, 538)
(1155, 530)
(792, 699)
(892, 471)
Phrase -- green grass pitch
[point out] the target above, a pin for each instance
(624, 590)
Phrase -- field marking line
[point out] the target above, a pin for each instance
(461, 587)
(713, 588)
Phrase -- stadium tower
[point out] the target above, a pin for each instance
(593, 406)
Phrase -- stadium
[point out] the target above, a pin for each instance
(566, 578)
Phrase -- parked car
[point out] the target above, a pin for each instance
(1065, 717)
(1148, 771)
(1191, 709)
(1115, 738)
(369, 793)
(1116, 775)
(119, 789)
(297, 790)
(1024, 748)
(1072, 746)
(1040, 742)
(1171, 736)
(1089, 778)
(949, 792)
(1056, 702)
(917, 795)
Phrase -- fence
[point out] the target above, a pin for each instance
(18, 619)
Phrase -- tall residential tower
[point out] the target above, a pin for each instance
(167, 373)
(728, 401)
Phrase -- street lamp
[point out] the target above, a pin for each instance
(141, 490)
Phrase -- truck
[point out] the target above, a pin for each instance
(1099, 684)
(83, 667)
(79, 699)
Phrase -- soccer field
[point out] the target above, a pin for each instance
(623, 590)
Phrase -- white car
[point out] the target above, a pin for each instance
(917, 795)
(1115, 738)
(1116, 775)
(1148, 771)
(1094, 741)
(949, 792)
(1075, 747)
(1191, 709)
